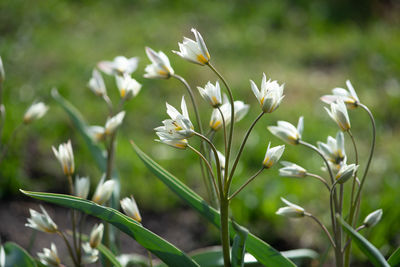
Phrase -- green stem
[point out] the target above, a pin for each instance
(73, 219)
(224, 125)
(322, 226)
(71, 254)
(319, 178)
(224, 210)
(246, 183)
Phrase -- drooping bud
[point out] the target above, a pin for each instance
(373, 218)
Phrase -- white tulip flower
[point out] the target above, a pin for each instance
(287, 132)
(119, 66)
(82, 186)
(127, 86)
(334, 149)
(96, 83)
(373, 218)
(345, 172)
(41, 221)
(49, 257)
(338, 113)
(292, 170)
(291, 210)
(211, 93)
(103, 191)
(194, 51)
(272, 155)
(241, 110)
(96, 235)
(160, 68)
(270, 95)
(130, 208)
(113, 123)
(35, 112)
(90, 255)
(167, 139)
(349, 97)
(65, 156)
(97, 133)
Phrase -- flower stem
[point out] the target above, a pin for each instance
(322, 226)
(73, 219)
(71, 254)
(224, 210)
(319, 178)
(246, 183)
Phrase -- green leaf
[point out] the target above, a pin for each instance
(365, 246)
(263, 252)
(394, 259)
(109, 255)
(16, 256)
(238, 246)
(167, 252)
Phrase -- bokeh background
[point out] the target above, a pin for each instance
(312, 46)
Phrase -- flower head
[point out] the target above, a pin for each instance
(90, 255)
(270, 95)
(82, 185)
(103, 191)
(334, 149)
(287, 132)
(292, 170)
(96, 83)
(130, 208)
(338, 113)
(113, 123)
(211, 93)
(35, 112)
(96, 235)
(49, 257)
(241, 110)
(41, 221)
(2, 73)
(160, 68)
(194, 51)
(119, 66)
(349, 97)
(65, 156)
(291, 210)
(127, 86)
(373, 218)
(345, 172)
(167, 139)
(272, 155)
(97, 133)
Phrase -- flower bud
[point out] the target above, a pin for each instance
(96, 84)
(373, 218)
(287, 132)
(65, 156)
(291, 210)
(292, 170)
(338, 113)
(82, 185)
(41, 221)
(103, 191)
(272, 155)
(130, 208)
(346, 172)
(96, 235)
(113, 123)
(35, 112)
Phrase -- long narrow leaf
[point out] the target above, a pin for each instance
(16, 256)
(167, 252)
(238, 246)
(109, 255)
(365, 246)
(263, 252)
(394, 259)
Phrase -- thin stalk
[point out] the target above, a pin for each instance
(73, 219)
(71, 254)
(150, 258)
(109, 104)
(322, 226)
(2, 111)
(319, 178)
(232, 172)
(246, 183)
(224, 210)
(31, 241)
(224, 125)
(355, 173)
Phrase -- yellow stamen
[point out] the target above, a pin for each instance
(123, 92)
(202, 59)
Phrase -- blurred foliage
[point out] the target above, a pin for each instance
(312, 46)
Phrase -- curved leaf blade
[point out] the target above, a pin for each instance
(239, 246)
(394, 259)
(16, 256)
(167, 252)
(263, 252)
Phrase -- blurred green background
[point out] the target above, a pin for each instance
(312, 46)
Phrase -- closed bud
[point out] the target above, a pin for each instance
(130, 208)
(291, 210)
(287, 132)
(373, 218)
(96, 235)
(272, 155)
(103, 191)
(113, 123)
(82, 185)
(292, 170)
(65, 156)
(346, 172)
(35, 112)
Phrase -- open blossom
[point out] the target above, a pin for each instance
(349, 97)
(179, 126)
(65, 156)
(130, 208)
(127, 86)
(119, 66)
(90, 255)
(103, 191)
(160, 67)
(113, 123)
(41, 221)
(345, 172)
(96, 235)
(82, 186)
(211, 93)
(96, 83)
(338, 113)
(287, 132)
(292, 170)
(194, 51)
(291, 210)
(270, 95)
(334, 149)
(35, 112)
(49, 257)
(272, 155)
(241, 110)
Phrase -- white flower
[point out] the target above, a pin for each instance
(113, 123)
(291, 210)
(119, 66)
(41, 221)
(194, 51)
(270, 95)
(49, 257)
(333, 149)
(65, 156)
(96, 132)
(241, 110)
(96, 235)
(90, 255)
(165, 138)
(287, 132)
(345, 172)
(2, 73)
(2, 253)
(103, 191)
(179, 126)
(82, 185)
(160, 67)
(349, 97)
(130, 208)
(292, 170)
(272, 155)
(338, 113)
(127, 86)
(373, 218)
(35, 112)
(96, 83)
(211, 93)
